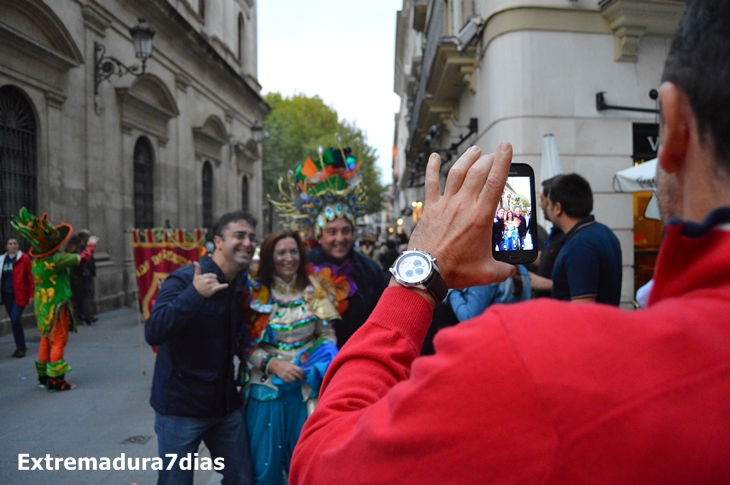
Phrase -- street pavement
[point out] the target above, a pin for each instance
(107, 415)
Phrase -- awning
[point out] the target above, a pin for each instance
(640, 178)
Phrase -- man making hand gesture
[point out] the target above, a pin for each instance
(195, 321)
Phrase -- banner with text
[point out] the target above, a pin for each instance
(159, 252)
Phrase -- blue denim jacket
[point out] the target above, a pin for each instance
(194, 375)
(471, 302)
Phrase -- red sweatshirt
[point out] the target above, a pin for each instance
(542, 392)
(22, 279)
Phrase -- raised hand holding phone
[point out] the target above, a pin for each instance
(455, 225)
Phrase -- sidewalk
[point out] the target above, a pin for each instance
(109, 406)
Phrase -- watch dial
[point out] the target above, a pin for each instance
(413, 268)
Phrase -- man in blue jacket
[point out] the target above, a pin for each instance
(195, 321)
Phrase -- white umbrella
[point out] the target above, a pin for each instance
(639, 179)
(550, 167)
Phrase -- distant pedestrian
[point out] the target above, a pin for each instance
(388, 257)
(17, 289)
(88, 278)
(78, 281)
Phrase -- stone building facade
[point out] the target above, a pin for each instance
(477, 72)
(171, 146)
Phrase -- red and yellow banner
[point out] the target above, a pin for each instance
(159, 252)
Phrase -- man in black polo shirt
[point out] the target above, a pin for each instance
(542, 281)
(588, 267)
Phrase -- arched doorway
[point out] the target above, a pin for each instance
(144, 194)
(18, 158)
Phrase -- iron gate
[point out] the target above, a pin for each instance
(18, 179)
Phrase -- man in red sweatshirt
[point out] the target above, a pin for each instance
(577, 393)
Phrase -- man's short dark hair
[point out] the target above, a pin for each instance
(222, 224)
(574, 194)
(546, 184)
(699, 65)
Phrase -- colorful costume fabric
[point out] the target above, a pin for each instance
(51, 276)
(293, 326)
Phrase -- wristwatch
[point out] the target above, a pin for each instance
(417, 269)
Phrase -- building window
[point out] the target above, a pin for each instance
(244, 193)
(207, 195)
(240, 37)
(201, 9)
(18, 180)
(144, 196)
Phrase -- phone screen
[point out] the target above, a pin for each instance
(514, 238)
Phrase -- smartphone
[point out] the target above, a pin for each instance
(514, 233)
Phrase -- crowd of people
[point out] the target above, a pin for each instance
(522, 393)
(509, 230)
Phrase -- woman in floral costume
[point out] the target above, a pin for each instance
(52, 295)
(290, 345)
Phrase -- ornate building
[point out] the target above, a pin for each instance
(109, 150)
(477, 72)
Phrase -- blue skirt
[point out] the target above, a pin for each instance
(274, 427)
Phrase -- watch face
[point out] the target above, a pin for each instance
(413, 268)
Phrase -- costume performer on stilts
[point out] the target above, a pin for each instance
(52, 296)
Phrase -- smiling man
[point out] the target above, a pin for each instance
(335, 248)
(195, 321)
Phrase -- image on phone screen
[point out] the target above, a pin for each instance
(514, 233)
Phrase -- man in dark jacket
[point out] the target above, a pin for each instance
(195, 321)
(335, 248)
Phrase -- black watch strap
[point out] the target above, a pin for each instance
(436, 287)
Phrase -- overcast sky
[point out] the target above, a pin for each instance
(340, 50)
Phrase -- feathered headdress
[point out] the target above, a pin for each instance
(321, 192)
(45, 238)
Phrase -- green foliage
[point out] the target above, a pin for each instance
(296, 127)
(525, 200)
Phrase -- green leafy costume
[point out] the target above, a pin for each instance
(51, 276)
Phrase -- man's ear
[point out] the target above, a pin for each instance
(675, 128)
(558, 208)
(217, 241)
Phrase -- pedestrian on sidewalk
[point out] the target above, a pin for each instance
(195, 323)
(52, 295)
(89, 274)
(17, 289)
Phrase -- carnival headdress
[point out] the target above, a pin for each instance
(319, 193)
(44, 238)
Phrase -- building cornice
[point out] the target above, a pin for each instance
(629, 20)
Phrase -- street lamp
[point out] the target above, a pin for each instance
(257, 132)
(107, 66)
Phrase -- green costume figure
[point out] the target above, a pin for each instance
(52, 297)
